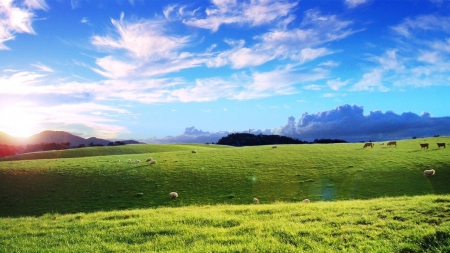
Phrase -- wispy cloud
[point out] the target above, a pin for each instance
(410, 26)
(43, 67)
(355, 3)
(300, 45)
(226, 12)
(17, 18)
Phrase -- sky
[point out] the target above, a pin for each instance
(193, 71)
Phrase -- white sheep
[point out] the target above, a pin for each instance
(152, 162)
(428, 173)
(306, 201)
(193, 151)
(118, 160)
(149, 159)
(173, 195)
(137, 161)
(129, 160)
(255, 201)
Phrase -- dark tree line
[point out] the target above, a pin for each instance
(247, 139)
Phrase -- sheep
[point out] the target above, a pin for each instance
(193, 151)
(428, 173)
(137, 161)
(306, 201)
(173, 195)
(152, 162)
(129, 160)
(255, 201)
(118, 160)
(149, 159)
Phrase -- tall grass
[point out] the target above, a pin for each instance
(401, 224)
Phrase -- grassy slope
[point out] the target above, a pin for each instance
(106, 151)
(218, 175)
(402, 224)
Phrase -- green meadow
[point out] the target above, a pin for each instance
(362, 199)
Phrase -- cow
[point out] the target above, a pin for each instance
(441, 144)
(368, 144)
(424, 145)
(392, 143)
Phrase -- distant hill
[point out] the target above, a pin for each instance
(9, 140)
(56, 137)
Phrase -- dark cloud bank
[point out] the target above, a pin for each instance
(346, 122)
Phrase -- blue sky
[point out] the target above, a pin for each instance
(147, 70)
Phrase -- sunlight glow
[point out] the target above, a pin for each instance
(17, 121)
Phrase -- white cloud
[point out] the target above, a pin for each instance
(16, 19)
(43, 67)
(143, 39)
(36, 4)
(422, 23)
(336, 84)
(355, 3)
(309, 54)
(300, 44)
(371, 81)
(430, 57)
(253, 13)
(149, 50)
(314, 87)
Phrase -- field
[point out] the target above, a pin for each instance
(361, 198)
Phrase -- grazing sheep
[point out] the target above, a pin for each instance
(118, 160)
(152, 162)
(428, 173)
(173, 195)
(306, 201)
(137, 161)
(255, 201)
(193, 151)
(149, 159)
(129, 160)
(274, 146)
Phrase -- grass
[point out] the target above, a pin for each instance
(218, 175)
(363, 199)
(400, 224)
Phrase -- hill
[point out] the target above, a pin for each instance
(92, 179)
(9, 140)
(57, 137)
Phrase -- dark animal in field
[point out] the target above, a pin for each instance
(369, 144)
(441, 144)
(392, 143)
(428, 173)
(424, 145)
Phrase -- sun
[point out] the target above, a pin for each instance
(17, 121)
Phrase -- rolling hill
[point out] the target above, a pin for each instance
(92, 179)
(56, 137)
